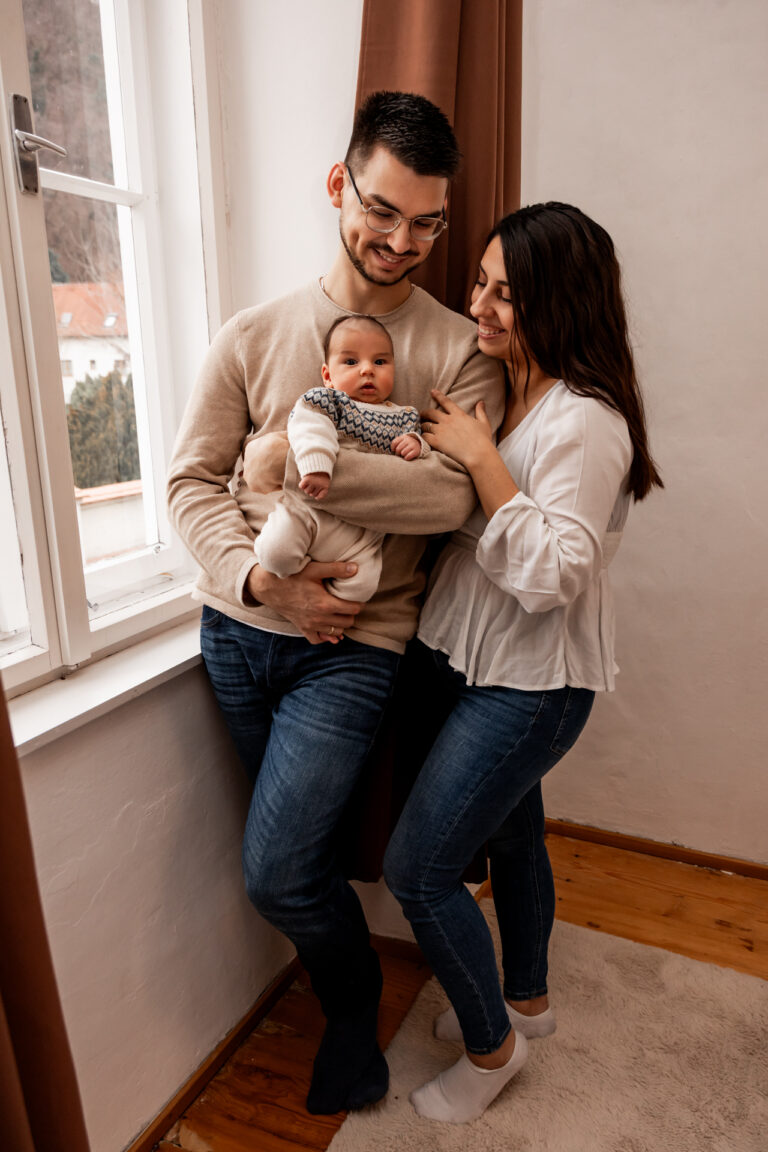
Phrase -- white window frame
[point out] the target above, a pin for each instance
(32, 403)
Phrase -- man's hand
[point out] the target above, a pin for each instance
(305, 601)
(407, 446)
(315, 484)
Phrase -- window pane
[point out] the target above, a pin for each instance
(14, 618)
(66, 66)
(101, 368)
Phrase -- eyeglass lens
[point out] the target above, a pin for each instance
(381, 219)
(385, 220)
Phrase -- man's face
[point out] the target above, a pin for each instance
(387, 258)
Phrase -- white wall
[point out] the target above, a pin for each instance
(651, 117)
(288, 88)
(137, 822)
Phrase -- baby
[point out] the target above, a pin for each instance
(359, 374)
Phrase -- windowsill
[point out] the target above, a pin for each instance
(45, 714)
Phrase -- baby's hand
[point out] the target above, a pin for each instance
(315, 484)
(408, 446)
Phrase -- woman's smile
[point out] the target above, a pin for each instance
(486, 332)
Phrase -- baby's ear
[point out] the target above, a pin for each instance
(326, 375)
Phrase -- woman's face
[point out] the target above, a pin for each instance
(491, 305)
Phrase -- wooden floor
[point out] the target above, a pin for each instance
(256, 1102)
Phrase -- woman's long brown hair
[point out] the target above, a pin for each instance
(565, 287)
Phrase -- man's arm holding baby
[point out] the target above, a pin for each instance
(314, 438)
(207, 515)
(375, 491)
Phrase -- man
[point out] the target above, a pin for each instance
(301, 676)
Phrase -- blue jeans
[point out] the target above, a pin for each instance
(303, 718)
(481, 784)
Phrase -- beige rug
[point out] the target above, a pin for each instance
(653, 1053)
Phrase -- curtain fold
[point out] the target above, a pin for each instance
(40, 1109)
(465, 56)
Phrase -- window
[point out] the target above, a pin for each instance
(99, 273)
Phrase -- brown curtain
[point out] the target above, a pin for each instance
(465, 56)
(40, 1108)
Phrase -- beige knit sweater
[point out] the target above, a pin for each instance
(258, 365)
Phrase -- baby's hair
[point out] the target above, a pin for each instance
(346, 320)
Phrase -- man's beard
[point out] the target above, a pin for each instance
(358, 265)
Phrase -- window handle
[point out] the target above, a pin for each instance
(31, 143)
(26, 145)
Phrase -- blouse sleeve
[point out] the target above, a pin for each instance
(544, 546)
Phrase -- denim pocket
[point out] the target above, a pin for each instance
(578, 705)
(210, 617)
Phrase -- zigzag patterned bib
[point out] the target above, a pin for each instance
(373, 426)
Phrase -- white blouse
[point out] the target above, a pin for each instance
(523, 600)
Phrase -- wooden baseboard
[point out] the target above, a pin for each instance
(657, 848)
(211, 1065)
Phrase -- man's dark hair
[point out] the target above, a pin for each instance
(409, 126)
(346, 320)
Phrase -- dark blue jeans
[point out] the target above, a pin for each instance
(481, 784)
(303, 718)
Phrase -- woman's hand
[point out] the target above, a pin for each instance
(469, 439)
(449, 429)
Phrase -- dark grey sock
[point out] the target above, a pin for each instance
(350, 1070)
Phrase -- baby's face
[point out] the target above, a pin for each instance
(361, 362)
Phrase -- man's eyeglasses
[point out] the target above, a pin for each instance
(381, 219)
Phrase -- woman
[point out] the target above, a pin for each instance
(519, 625)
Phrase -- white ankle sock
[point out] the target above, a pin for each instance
(447, 1027)
(464, 1091)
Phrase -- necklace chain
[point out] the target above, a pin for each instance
(322, 289)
